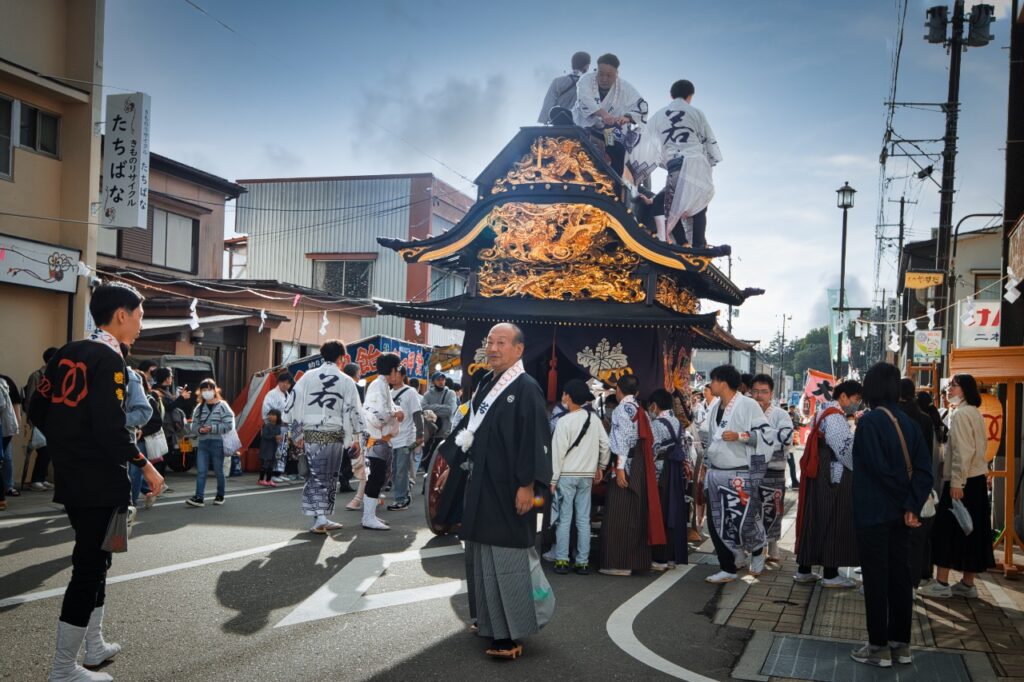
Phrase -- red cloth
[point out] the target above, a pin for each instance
(645, 439)
(809, 466)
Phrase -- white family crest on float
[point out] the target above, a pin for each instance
(602, 357)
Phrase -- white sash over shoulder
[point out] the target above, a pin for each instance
(464, 438)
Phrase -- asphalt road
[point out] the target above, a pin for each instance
(244, 591)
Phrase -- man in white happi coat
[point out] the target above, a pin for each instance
(689, 150)
(737, 430)
(326, 417)
(771, 487)
(605, 105)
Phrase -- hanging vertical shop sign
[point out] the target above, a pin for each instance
(980, 329)
(125, 201)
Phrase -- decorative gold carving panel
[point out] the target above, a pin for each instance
(672, 296)
(556, 160)
(557, 252)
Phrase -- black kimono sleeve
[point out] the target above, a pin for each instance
(106, 400)
(533, 459)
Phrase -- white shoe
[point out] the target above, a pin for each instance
(936, 590)
(959, 589)
(97, 651)
(838, 583)
(65, 657)
(658, 566)
(38, 487)
(615, 571)
(721, 577)
(757, 564)
(806, 578)
(370, 520)
(901, 653)
(549, 556)
(279, 480)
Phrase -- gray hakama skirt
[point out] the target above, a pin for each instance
(501, 592)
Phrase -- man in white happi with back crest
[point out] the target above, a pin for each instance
(771, 487)
(737, 431)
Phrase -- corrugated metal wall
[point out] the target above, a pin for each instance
(359, 212)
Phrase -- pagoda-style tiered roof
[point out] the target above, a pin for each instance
(552, 239)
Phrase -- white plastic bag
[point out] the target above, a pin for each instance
(962, 516)
(543, 595)
(232, 443)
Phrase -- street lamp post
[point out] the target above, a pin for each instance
(844, 200)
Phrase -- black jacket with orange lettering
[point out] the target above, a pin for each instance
(79, 407)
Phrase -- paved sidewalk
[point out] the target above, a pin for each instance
(986, 633)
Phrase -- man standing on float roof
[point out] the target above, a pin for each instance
(504, 443)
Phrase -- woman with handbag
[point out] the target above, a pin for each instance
(920, 538)
(892, 478)
(212, 420)
(964, 473)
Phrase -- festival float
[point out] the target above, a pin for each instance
(553, 245)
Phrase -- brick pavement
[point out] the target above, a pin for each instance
(992, 625)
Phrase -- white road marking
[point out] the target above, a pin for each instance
(345, 591)
(45, 594)
(620, 627)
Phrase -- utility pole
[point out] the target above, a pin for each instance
(981, 18)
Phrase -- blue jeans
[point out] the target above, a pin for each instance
(573, 500)
(400, 482)
(210, 453)
(7, 454)
(135, 476)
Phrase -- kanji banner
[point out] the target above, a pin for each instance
(125, 202)
(819, 385)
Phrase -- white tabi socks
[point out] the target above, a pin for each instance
(358, 499)
(96, 650)
(370, 519)
(659, 221)
(65, 657)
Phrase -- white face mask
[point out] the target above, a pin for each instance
(955, 400)
(208, 395)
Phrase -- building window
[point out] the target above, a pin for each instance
(6, 129)
(445, 284)
(39, 130)
(174, 241)
(438, 224)
(981, 281)
(350, 278)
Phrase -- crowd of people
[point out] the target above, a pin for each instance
(652, 472)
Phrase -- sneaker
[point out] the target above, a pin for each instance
(294, 477)
(615, 571)
(279, 479)
(900, 652)
(131, 515)
(959, 589)
(218, 501)
(878, 656)
(270, 484)
(548, 556)
(659, 566)
(561, 567)
(757, 564)
(195, 502)
(399, 506)
(149, 501)
(806, 578)
(936, 590)
(838, 583)
(582, 569)
(47, 485)
(261, 483)
(720, 578)
(38, 487)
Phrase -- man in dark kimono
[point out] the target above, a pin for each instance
(503, 444)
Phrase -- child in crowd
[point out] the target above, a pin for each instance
(270, 440)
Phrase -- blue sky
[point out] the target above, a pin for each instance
(794, 92)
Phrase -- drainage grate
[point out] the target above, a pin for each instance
(829, 661)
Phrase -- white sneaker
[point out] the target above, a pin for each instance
(901, 653)
(38, 487)
(806, 578)
(757, 564)
(659, 566)
(959, 589)
(720, 578)
(549, 556)
(936, 590)
(279, 479)
(838, 583)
